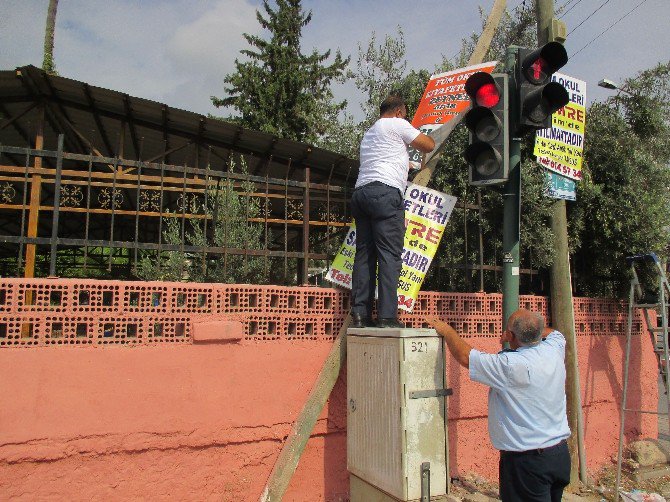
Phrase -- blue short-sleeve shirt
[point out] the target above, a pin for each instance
(527, 394)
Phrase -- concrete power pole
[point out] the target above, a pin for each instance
(562, 309)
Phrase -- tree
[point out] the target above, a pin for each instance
(624, 200)
(279, 89)
(48, 64)
(229, 208)
(379, 70)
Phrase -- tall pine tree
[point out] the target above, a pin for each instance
(279, 89)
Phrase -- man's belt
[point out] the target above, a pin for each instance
(536, 451)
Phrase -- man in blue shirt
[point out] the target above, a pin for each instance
(527, 415)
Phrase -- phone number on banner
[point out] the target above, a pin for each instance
(567, 171)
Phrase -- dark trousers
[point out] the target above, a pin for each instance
(380, 234)
(536, 475)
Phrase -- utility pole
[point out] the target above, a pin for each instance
(562, 309)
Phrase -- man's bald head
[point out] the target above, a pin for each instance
(527, 326)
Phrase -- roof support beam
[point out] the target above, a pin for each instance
(16, 126)
(40, 97)
(131, 125)
(61, 111)
(98, 120)
(166, 136)
(17, 117)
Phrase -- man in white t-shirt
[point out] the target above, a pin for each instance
(377, 207)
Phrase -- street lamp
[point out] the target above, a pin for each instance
(610, 84)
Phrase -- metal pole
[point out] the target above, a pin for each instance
(23, 213)
(305, 230)
(88, 208)
(511, 212)
(54, 224)
(664, 325)
(629, 330)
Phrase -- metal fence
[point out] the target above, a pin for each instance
(109, 211)
(75, 215)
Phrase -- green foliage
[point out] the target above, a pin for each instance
(379, 70)
(622, 206)
(280, 90)
(230, 208)
(623, 202)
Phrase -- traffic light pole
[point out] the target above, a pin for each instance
(511, 209)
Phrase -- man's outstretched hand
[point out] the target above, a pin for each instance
(458, 347)
(441, 327)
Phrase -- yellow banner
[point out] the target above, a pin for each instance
(426, 215)
(558, 151)
(559, 148)
(570, 118)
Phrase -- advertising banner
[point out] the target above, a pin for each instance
(560, 148)
(443, 98)
(426, 214)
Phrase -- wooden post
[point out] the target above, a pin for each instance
(562, 309)
(484, 41)
(286, 463)
(35, 196)
(304, 271)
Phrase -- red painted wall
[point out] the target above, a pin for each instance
(206, 421)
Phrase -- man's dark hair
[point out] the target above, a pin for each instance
(391, 103)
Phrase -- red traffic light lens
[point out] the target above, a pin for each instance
(487, 95)
(538, 70)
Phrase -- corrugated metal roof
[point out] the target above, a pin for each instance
(91, 116)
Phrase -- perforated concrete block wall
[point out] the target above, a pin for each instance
(97, 376)
(38, 312)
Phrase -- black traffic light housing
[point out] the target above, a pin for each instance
(538, 96)
(487, 152)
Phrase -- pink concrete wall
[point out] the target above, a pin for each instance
(165, 418)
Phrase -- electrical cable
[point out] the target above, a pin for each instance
(567, 11)
(564, 6)
(608, 28)
(590, 16)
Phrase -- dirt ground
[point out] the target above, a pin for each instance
(473, 488)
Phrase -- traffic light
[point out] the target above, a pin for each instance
(487, 152)
(538, 96)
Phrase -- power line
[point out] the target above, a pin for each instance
(608, 28)
(590, 16)
(566, 5)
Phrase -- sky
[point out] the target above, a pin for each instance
(178, 52)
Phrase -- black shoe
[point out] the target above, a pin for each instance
(389, 322)
(360, 321)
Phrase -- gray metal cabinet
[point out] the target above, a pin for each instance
(396, 417)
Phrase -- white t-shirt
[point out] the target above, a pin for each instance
(384, 154)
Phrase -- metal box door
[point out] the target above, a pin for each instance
(389, 434)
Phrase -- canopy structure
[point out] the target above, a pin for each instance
(127, 163)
